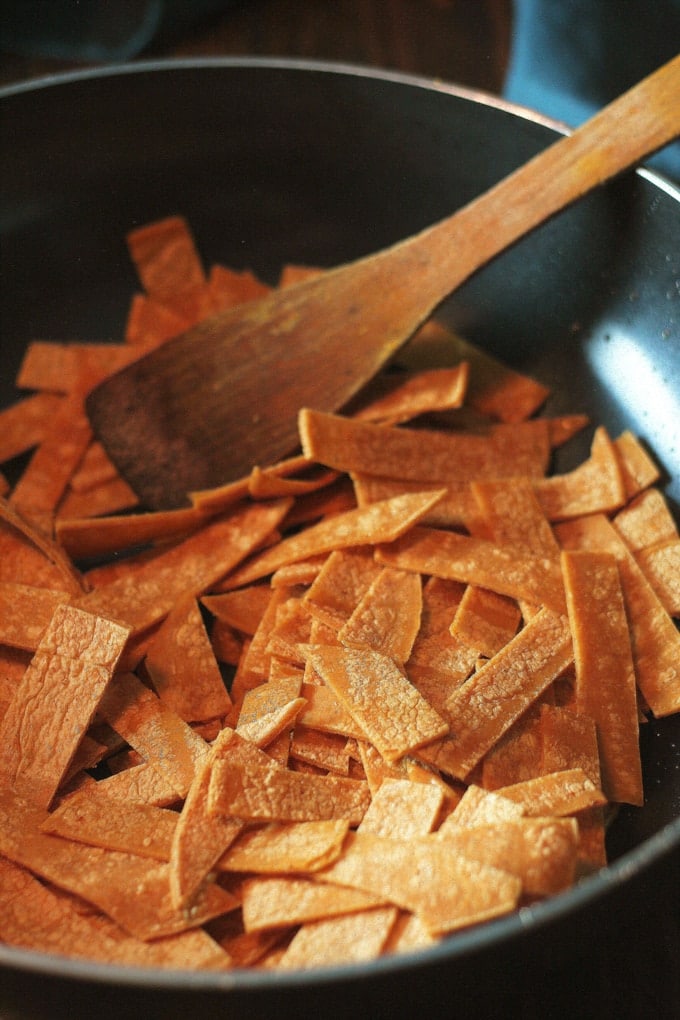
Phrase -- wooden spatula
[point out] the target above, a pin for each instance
(202, 409)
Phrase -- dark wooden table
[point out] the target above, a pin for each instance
(635, 971)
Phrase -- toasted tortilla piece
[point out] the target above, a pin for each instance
(169, 266)
(394, 716)
(514, 516)
(200, 838)
(29, 556)
(39, 918)
(638, 468)
(596, 486)
(605, 672)
(408, 935)
(343, 580)
(56, 700)
(160, 735)
(107, 497)
(646, 521)
(556, 794)
(103, 877)
(292, 627)
(569, 740)
(401, 808)
(149, 323)
(141, 783)
(42, 484)
(500, 568)
(103, 536)
(380, 522)
(512, 680)
(661, 566)
(354, 938)
(95, 469)
(247, 783)
(325, 712)
(456, 509)
(263, 483)
(26, 612)
(420, 874)
(229, 288)
(387, 618)
(241, 609)
(518, 754)
(655, 638)
(280, 902)
(541, 852)
(59, 367)
(286, 847)
(134, 828)
(327, 751)
(480, 807)
(347, 444)
(436, 389)
(25, 423)
(183, 668)
(145, 595)
(485, 620)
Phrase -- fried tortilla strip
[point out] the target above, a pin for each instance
(456, 509)
(286, 847)
(354, 938)
(556, 794)
(141, 783)
(485, 620)
(500, 568)
(26, 612)
(39, 918)
(182, 666)
(325, 712)
(58, 367)
(108, 497)
(103, 877)
(160, 735)
(605, 672)
(393, 714)
(145, 595)
(229, 288)
(569, 740)
(480, 807)
(149, 323)
(518, 754)
(646, 521)
(280, 902)
(511, 681)
(655, 638)
(241, 609)
(514, 516)
(141, 829)
(638, 469)
(661, 566)
(596, 486)
(401, 808)
(200, 838)
(380, 522)
(169, 266)
(494, 389)
(347, 444)
(436, 389)
(95, 469)
(343, 580)
(56, 700)
(103, 536)
(387, 618)
(247, 783)
(25, 423)
(540, 852)
(275, 723)
(421, 874)
(328, 751)
(29, 556)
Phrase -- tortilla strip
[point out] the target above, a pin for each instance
(596, 486)
(29, 556)
(58, 367)
(401, 808)
(485, 620)
(354, 938)
(512, 680)
(556, 794)
(325, 712)
(328, 751)
(159, 734)
(390, 710)
(56, 700)
(646, 521)
(286, 847)
(169, 266)
(133, 828)
(638, 469)
(387, 618)
(39, 918)
(24, 424)
(276, 902)
(478, 806)
(514, 516)
(380, 522)
(422, 875)
(436, 389)
(661, 566)
(26, 612)
(347, 444)
(103, 877)
(655, 638)
(241, 609)
(144, 596)
(569, 740)
(103, 536)
(446, 554)
(343, 580)
(605, 672)
(182, 667)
